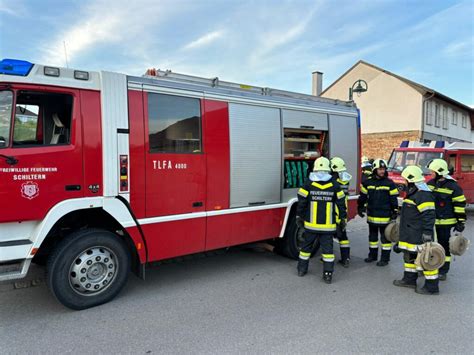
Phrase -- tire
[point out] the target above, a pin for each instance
(88, 268)
(290, 243)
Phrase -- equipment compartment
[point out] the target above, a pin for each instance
(301, 148)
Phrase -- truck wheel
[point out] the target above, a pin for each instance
(88, 268)
(291, 241)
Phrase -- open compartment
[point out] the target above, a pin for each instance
(301, 148)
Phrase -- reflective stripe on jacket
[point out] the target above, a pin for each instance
(317, 203)
(450, 202)
(380, 195)
(417, 217)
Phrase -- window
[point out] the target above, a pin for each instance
(452, 162)
(6, 100)
(467, 163)
(464, 121)
(437, 116)
(399, 160)
(454, 117)
(42, 119)
(445, 117)
(174, 124)
(429, 113)
(26, 123)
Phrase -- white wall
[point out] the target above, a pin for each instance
(447, 125)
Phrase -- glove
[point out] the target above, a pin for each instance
(396, 249)
(360, 211)
(426, 238)
(343, 224)
(299, 222)
(394, 215)
(459, 227)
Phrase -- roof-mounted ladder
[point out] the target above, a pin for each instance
(217, 83)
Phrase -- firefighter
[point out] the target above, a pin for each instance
(317, 201)
(450, 207)
(366, 167)
(379, 194)
(417, 220)
(343, 178)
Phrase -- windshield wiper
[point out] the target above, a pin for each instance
(10, 160)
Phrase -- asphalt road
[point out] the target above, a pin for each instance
(250, 301)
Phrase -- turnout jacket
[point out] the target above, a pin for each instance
(344, 184)
(366, 173)
(380, 195)
(450, 202)
(317, 204)
(417, 217)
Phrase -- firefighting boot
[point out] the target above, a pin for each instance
(373, 252)
(345, 256)
(430, 288)
(443, 270)
(385, 257)
(409, 280)
(431, 283)
(327, 277)
(302, 267)
(404, 283)
(345, 262)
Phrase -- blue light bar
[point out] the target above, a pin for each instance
(404, 144)
(15, 67)
(439, 144)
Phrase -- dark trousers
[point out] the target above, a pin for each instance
(326, 244)
(374, 230)
(444, 233)
(344, 244)
(411, 272)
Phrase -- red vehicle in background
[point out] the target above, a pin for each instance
(460, 158)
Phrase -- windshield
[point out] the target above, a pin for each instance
(6, 99)
(399, 160)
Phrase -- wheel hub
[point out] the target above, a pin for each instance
(93, 270)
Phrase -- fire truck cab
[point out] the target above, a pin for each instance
(458, 155)
(102, 173)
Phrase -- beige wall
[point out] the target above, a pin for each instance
(389, 105)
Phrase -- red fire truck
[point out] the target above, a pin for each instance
(102, 173)
(459, 155)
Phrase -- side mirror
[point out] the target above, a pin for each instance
(3, 142)
(450, 170)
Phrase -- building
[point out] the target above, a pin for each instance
(395, 109)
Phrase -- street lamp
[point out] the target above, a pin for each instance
(360, 88)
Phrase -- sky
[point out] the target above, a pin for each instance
(266, 43)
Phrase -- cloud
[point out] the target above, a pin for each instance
(81, 37)
(15, 9)
(281, 35)
(106, 23)
(463, 48)
(204, 40)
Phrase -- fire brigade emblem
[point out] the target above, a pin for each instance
(29, 190)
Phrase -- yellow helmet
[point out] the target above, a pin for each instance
(379, 163)
(322, 164)
(439, 166)
(364, 159)
(413, 173)
(338, 165)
